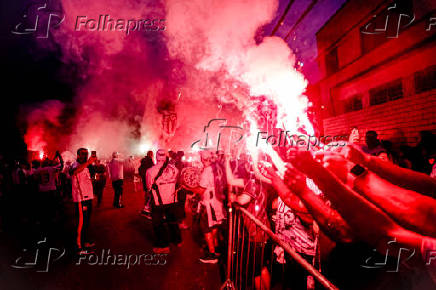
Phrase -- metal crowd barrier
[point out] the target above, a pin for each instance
(237, 276)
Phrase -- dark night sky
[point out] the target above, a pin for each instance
(32, 73)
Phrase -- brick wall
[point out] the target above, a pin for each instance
(391, 120)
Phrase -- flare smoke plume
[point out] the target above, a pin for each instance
(206, 64)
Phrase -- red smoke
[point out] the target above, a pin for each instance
(42, 124)
(206, 64)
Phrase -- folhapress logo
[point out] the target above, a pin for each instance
(38, 19)
(39, 258)
(390, 21)
(395, 18)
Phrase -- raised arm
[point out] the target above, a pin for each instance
(402, 177)
(368, 222)
(231, 179)
(328, 219)
(410, 209)
(81, 167)
(290, 199)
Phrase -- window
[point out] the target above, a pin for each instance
(387, 92)
(352, 104)
(425, 80)
(331, 61)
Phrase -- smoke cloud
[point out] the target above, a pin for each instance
(145, 90)
(43, 121)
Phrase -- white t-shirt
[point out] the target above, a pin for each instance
(47, 177)
(166, 182)
(116, 169)
(214, 207)
(81, 184)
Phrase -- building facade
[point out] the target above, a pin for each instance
(378, 66)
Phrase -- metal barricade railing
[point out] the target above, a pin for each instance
(239, 253)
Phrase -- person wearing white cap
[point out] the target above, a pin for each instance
(162, 179)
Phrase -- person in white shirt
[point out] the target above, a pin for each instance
(82, 193)
(212, 212)
(162, 179)
(116, 171)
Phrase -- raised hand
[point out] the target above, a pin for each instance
(338, 165)
(92, 159)
(272, 175)
(355, 154)
(303, 161)
(354, 136)
(295, 180)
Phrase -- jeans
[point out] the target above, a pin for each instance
(118, 191)
(87, 211)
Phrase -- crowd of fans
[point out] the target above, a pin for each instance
(336, 208)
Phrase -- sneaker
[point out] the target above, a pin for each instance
(209, 258)
(146, 210)
(145, 214)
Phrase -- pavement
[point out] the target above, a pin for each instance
(50, 263)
